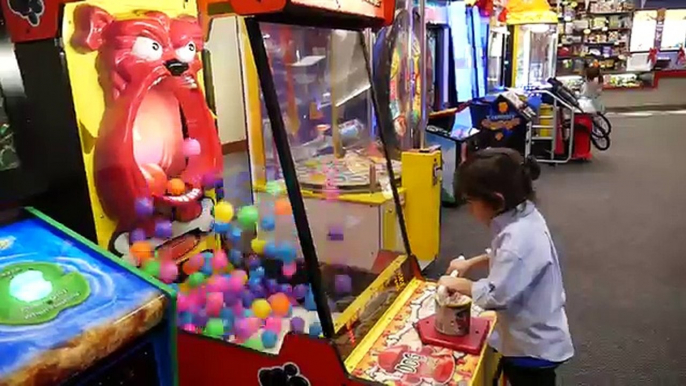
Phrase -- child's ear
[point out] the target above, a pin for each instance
(89, 22)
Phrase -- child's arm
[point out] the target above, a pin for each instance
(463, 266)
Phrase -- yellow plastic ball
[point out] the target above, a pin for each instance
(257, 246)
(261, 308)
(223, 212)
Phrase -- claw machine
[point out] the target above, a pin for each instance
(319, 311)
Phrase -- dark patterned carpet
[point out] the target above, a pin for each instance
(620, 227)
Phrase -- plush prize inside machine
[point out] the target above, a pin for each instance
(283, 306)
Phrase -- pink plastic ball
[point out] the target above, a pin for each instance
(241, 274)
(183, 302)
(288, 270)
(273, 324)
(235, 284)
(217, 283)
(189, 327)
(255, 324)
(237, 308)
(215, 303)
(243, 329)
(220, 261)
(191, 147)
(196, 261)
(169, 271)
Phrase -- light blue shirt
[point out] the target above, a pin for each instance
(524, 287)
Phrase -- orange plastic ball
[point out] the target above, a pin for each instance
(280, 304)
(282, 206)
(176, 187)
(155, 177)
(142, 250)
(189, 268)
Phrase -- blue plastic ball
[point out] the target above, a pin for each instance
(185, 318)
(247, 298)
(268, 223)
(236, 257)
(315, 329)
(269, 339)
(235, 235)
(271, 285)
(220, 227)
(253, 262)
(207, 268)
(271, 250)
(247, 313)
(200, 318)
(287, 253)
(257, 273)
(226, 314)
(286, 289)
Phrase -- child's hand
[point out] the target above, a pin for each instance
(456, 284)
(462, 266)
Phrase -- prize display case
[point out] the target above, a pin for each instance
(534, 50)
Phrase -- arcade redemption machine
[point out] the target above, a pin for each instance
(133, 152)
(70, 313)
(342, 319)
(325, 95)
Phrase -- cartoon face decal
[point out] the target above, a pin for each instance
(156, 126)
(29, 10)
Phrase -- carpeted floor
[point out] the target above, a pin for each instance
(618, 223)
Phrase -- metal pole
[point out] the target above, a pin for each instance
(422, 77)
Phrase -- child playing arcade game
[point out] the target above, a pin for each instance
(524, 284)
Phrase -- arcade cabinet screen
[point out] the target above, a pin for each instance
(8, 153)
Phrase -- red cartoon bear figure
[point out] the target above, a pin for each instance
(433, 365)
(157, 130)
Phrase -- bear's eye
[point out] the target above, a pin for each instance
(147, 49)
(186, 53)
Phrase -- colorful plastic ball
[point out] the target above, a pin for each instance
(282, 207)
(163, 229)
(253, 262)
(270, 249)
(200, 318)
(185, 318)
(189, 327)
(218, 283)
(220, 261)
(152, 268)
(220, 227)
(254, 344)
(237, 308)
(248, 216)
(269, 339)
(247, 313)
(223, 212)
(142, 251)
(235, 284)
(236, 257)
(309, 303)
(143, 207)
(176, 187)
(273, 324)
(315, 329)
(242, 274)
(258, 291)
(280, 304)
(261, 308)
(210, 181)
(227, 314)
(230, 298)
(196, 279)
(274, 188)
(189, 268)
(191, 147)
(257, 245)
(300, 291)
(286, 289)
(155, 177)
(288, 270)
(183, 303)
(286, 252)
(257, 272)
(267, 223)
(343, 284)
(214, 328)
(242, 328)
(207, 268)
(247, 299)
(136, 235)
(169, 271)
(235, 235)
(298, 325)
(214, 304)
(271, 285)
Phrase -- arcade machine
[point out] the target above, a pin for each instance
(70, 313)
(359, 321)
(325, 95)
(133, 156)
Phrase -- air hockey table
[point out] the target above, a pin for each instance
(72, 314)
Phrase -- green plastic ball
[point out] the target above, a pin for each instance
(196, 279)
(248, 216)
(152, 268)
(254, 343)
(214, 328)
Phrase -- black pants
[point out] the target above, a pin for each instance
(526, 376)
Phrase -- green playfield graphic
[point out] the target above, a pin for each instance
(34, 293)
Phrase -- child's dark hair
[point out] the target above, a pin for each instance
(592, 73)
(499, 176)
